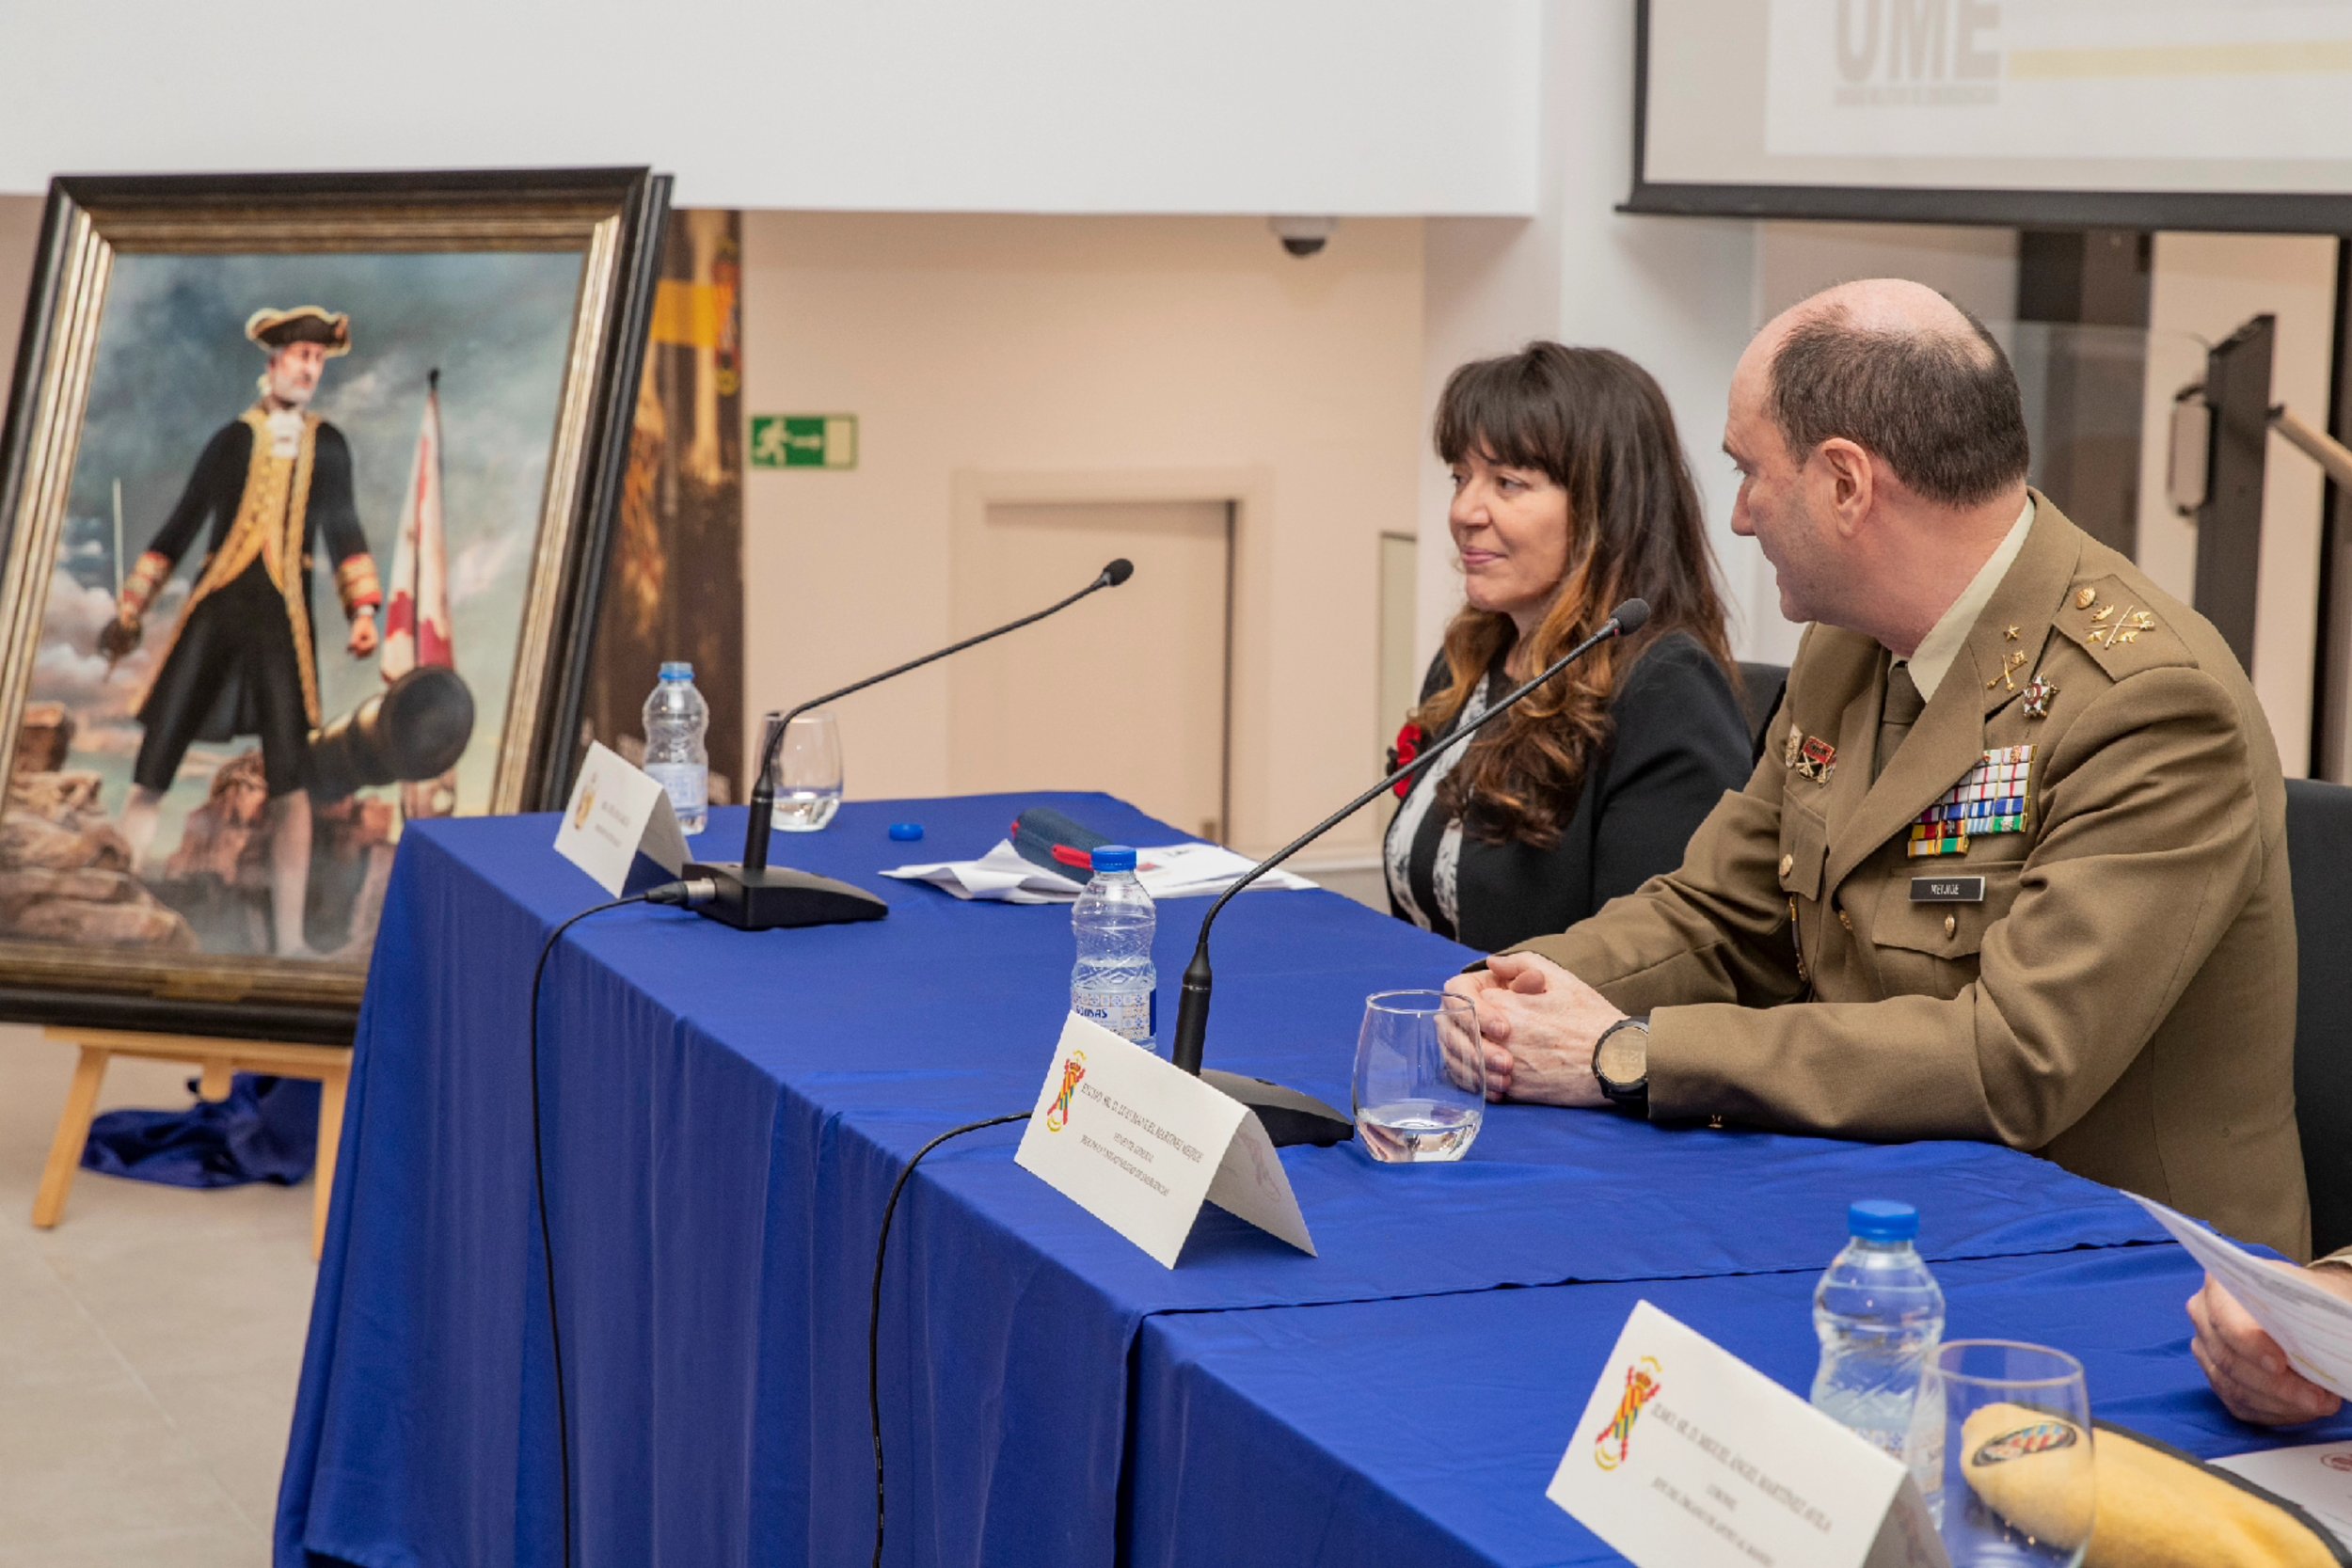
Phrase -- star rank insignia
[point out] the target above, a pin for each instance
(2038, 694)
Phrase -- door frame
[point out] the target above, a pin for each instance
(1246, 492)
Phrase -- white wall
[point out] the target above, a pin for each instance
(1353, 106)
(1119, 347)
(1674, 293)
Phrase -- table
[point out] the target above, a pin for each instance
(725, 1111)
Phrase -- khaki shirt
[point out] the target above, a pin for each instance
(2121, 997)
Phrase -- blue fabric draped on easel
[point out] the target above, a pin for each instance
(267, 1130)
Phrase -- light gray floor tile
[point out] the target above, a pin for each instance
(148, 1345)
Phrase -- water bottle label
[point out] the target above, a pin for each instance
(1130, 1014)
(688, 786)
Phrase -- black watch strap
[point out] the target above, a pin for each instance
(1631, 1097)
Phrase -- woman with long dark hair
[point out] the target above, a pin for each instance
(1571, 494)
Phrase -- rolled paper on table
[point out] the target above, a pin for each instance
(2153, 1507)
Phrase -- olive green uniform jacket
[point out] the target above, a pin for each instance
(2122, 1000)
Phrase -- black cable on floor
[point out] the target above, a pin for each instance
(546, 1237)
(873, 1324)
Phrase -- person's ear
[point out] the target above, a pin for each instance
(1847, 471)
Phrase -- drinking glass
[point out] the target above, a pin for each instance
(809, 773)
(2000, 1445)
(1421, 1076)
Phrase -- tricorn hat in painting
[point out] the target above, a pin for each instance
(304, 324)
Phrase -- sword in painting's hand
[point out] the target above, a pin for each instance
(117, 637)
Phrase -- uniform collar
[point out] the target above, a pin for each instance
(1932, 660)
(1996, 657)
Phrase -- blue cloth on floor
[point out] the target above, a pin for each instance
(267, 1130)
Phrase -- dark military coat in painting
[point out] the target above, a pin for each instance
(243, 659)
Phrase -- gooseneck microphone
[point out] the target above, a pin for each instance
(756, 896)
(1290, 1116)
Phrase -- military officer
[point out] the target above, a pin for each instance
(2013, 865)
(270, 488)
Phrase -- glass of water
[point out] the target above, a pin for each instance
(1421, 1076)
(809, 773)
(2000, 1443)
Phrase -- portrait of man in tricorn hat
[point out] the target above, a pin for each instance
(271, 491)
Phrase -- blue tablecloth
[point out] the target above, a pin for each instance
(726, 1113)
(1424, 1431)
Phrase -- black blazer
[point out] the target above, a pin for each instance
(1678, 740)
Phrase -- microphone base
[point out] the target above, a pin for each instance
(1290, 1117)
(773, 896)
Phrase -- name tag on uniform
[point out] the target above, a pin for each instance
(1947, 890)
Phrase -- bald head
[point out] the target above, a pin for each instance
(1903, 373)
(1894, 306)
(1881, 443)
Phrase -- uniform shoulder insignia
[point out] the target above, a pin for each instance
(2119, 629)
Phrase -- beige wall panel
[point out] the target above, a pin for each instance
(2204, 287)
(1075, 346)
(20, 235)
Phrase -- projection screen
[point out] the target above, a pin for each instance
(2148, 114)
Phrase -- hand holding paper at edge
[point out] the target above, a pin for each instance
(2249, 1372)
(2310, 1322)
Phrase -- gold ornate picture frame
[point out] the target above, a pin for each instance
(195, 840)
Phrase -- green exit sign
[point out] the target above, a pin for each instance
(804, 440)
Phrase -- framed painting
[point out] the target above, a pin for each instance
(305, 492)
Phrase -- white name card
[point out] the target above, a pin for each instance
(1688, 1457)
(1139, 1144)
(616, 812)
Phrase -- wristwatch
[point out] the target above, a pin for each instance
(1621, 1063)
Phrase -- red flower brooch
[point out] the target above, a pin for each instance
(1409, 741)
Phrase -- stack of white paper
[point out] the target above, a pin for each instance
(1171, 871)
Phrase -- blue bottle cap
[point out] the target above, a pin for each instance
(1878, 1219)
(906, 833)
(676, 670)
(1113, 857)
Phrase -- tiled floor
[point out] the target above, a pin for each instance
(148, 1345)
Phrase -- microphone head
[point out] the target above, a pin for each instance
(1118, 572)
(1630, 616)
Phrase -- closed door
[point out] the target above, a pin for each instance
(1125, 692)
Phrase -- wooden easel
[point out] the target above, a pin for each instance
(328, 1065)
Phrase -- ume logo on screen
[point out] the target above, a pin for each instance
(1923, 52)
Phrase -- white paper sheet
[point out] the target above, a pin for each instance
(2312, 1326)
(1168, 871)
(2315, 1476)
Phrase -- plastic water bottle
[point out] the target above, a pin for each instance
(676, 720)
(1116, 983)
(1880, 1315)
